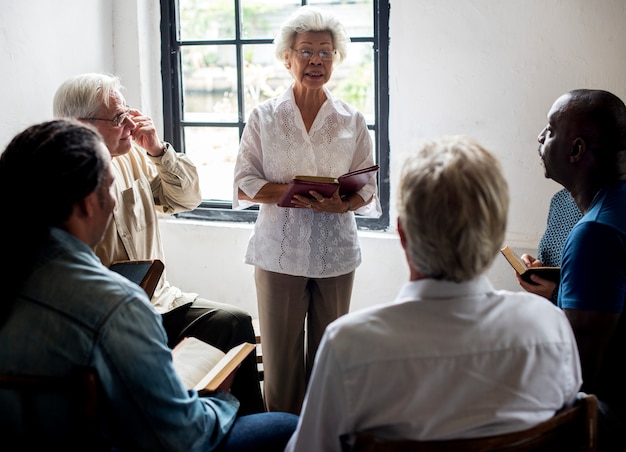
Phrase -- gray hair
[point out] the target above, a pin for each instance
(453, 204)
(82, 96)
(309, 19)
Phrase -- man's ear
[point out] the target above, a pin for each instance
(87, 205)
(579, 146)
(414, 274)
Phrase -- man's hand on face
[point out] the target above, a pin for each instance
(145, 134)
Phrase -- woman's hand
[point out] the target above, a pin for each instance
(317, 202)
(268, 194)
(530, 261)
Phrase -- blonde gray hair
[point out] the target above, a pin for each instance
(453, 204)
(82, 96)
(310, 19)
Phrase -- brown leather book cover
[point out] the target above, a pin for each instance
(355, 180)
(551, 273)
(347, 184)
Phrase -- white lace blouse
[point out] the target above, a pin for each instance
(275, 146)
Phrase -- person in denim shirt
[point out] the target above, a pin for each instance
(63, 309)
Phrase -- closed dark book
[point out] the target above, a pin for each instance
(145, 273)
(347, 184)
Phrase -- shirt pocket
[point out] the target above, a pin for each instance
(138, 205)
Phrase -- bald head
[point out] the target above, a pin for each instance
(600, 119)
(584, 143)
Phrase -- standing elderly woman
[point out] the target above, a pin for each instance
(304, 257)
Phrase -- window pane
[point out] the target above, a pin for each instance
(357, 16)
(206, 19)
(209, 83)
(262, 18)
(353, 80)
(213, 150)
(263, 75)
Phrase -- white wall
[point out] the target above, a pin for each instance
(487, 68)
(41, 44)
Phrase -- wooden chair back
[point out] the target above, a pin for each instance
(29, 428)
(570, 430)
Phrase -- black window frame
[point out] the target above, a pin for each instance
(211, 210)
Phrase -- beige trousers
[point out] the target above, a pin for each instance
(293, 314)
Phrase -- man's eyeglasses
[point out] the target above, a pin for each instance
(308, 54)
(118, 121)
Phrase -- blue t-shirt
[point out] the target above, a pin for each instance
(593, 278)
(593, 264)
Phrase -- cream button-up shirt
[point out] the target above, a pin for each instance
(145, 185)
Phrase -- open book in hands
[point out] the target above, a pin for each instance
(550, 273)
(346, 184)
(204, 367)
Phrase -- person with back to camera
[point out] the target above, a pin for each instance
(562, 216)
(151, 177)
(583, 147)
(62, 309)
(451, 357)
(305, 257)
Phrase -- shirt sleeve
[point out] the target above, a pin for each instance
(147, 398)
(324, 418)
(362, 159)
(249, 175)
(592, 269)
(173, 179)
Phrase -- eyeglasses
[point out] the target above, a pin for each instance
(305, 54)
(118, 120)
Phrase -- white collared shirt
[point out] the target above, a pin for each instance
(444, 360)
(275, 147)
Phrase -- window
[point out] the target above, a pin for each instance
(218, 63)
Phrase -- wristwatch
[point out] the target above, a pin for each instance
(166, 147)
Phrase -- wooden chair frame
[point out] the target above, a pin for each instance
(571, 430)
(81, 390)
